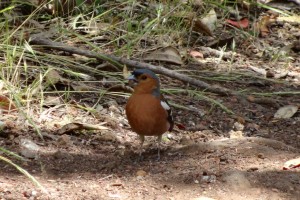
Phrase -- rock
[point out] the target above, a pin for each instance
(64, 140)
(261, 155)
(238, 126)
(28, 148)
(108, 136)
(236, 134)
(141, 173)
(209, 178)
(185, 140)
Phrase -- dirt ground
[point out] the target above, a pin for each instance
(217, 158)
(217, 155)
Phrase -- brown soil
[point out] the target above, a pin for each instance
(194, 164)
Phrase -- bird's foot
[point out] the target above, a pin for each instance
(140, 157)
(158, 155)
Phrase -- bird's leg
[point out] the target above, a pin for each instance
(158, 146)
(142, 139)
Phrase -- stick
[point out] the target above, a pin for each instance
(132, 63)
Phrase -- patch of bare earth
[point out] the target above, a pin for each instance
(212, 162)
(220, 169)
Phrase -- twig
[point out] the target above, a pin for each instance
(207, 51)
(117, 61)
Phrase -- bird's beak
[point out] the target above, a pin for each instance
(132, 81)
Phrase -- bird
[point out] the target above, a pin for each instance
(148, 112)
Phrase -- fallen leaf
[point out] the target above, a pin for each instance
(263, 25)
(210, 20)
(196, 54)
(243, 23)
(79, 86)
(166, 54)
(291, 164)
(200, 27)
(6, 104)
(258, 70)
(126, 73)
(52, 101)
(207, 24)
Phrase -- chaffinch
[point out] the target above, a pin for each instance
(148, 113)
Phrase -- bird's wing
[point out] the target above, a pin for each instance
(167, 107)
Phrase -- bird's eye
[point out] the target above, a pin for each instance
(144, 77)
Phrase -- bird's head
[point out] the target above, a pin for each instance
(144, 81)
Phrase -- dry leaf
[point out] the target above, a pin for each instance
(166, 54)
(243, 23)
(263, 25)
(291, 164)
(210, 20)
(286, 112)
(52, 101)
(201, 28)
(6, 104)
(77, 86)
(258, 70)
(207, 24)
(126, 73)
(198, 56)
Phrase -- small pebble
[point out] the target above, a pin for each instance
(141, 173)
(261, 155)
